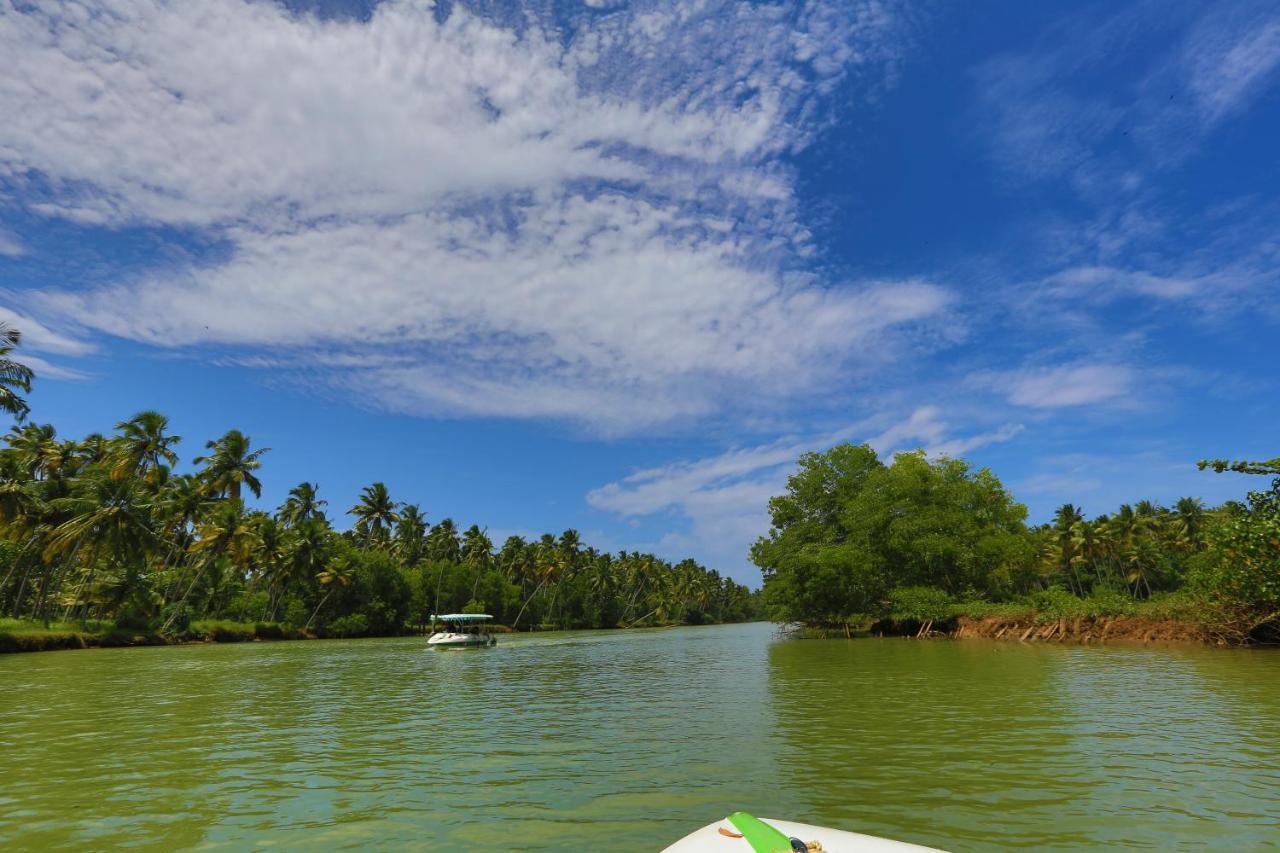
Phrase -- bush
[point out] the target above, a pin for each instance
(354, 625)
(1056, 603)
(181, 623)
(920, 604)
(268, 631)
(223, 631)
(295, 612)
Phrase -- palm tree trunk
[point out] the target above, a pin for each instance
(22, 585)
(523, 606)
(42, 602)
(183, 602)
(307, 626)
(93, 567)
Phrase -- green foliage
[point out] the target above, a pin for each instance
(850, 530)
(854, 541)
(295, 612)
(103, 529)
(223, 630)
(1242, 565)
(921, 604)
(353, 625)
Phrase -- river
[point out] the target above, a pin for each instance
(626, 740)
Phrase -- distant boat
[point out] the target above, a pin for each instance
(744, 833)
(462, 631)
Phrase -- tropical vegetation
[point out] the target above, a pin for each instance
(855, 541)
(105, 529)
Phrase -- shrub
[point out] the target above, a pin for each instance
(920, 604)
(268, 631)
(354, 625)
(223, 631)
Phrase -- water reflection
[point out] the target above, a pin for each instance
(627, 740)
(972, 745)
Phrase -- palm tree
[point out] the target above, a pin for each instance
(411, 533)
(442, 542)
(307, 554)
(231, 464)
(14, 376)
(32, 445)
(338, 573)
(227, 531)
(302, 504)
(375, 513)
(107, 520)
(1064, 519)
(1189, 521)
(142, 448)
(477, 548)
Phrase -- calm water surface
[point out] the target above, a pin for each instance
(627, 740)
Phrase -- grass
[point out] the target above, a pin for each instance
(24, 635)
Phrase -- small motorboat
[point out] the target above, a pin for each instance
(744, 833)
(462, 631)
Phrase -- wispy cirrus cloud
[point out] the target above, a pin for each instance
(10, 245)
(724, 498)
(588, 219)
(1075, 107)
(1061, 386)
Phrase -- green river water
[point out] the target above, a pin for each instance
(626, 740)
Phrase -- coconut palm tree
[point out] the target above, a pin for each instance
(15, 377)
(1189, 521)
(32, 444)
(411, 534)
(302, 504)
(375, 514)
(337, 573)
(143, 448)
(307, 553)
(231, 464)
(443, 543)
(107, 520)
(228, 530)
(1064, 519)
(477, 548)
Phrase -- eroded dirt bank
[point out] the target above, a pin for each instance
(1101, 629)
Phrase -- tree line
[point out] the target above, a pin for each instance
(855, 539)
(105, 528)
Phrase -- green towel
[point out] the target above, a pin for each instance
(762, 837)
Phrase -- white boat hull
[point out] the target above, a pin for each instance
(709, 839)
(445, 639)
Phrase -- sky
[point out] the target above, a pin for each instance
(613, 266)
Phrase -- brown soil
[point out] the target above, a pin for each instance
(1084, 630)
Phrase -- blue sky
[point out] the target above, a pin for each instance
(613, 265)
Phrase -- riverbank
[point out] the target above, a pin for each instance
(1082, 630)
(1055, 616)
(23, 636)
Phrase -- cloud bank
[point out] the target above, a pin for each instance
(588, 218)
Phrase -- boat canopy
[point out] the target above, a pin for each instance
(460, 617)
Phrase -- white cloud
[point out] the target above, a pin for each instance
(593, 224)
(724, 498)
(1108, 283)
(1110, 98)
(37, 336)
(44, 369)
(10, 245)
(1061, 386)
(1228, 66)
